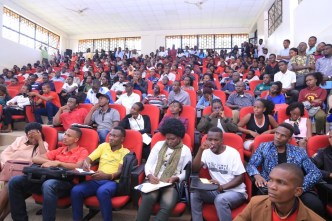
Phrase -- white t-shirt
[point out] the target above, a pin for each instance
(284, 52)
(68, 87)
(151, 163)
(286, 79)
(128, 101)
(260, 49)
(224, 167)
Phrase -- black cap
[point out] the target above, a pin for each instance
(98, 95)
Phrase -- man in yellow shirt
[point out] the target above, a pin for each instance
(104, 182)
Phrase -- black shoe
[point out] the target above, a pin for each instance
(50, 123)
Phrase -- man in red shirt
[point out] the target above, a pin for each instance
(70, 156)
(51, 102)
(70, 113)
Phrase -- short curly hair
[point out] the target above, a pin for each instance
(293, 106)
(173, 126)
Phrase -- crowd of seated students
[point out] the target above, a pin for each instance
(163, 80)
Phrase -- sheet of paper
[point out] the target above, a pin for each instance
(205, 181)
(83, 171)
(146, 139)
(149, 187)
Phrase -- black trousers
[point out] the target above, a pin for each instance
(8, 112)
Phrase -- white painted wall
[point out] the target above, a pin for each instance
(312, 17)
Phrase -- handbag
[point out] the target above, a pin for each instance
(38, 174)
(13, 168)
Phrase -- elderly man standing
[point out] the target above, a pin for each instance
(238, 100)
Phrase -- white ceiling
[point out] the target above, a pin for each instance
(111, 16)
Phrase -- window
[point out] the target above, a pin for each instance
(275, 16)
(218, 41)
(23, 31)
(108, 44)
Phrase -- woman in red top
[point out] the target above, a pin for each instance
(313, 97)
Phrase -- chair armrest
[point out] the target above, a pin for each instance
(135, 174)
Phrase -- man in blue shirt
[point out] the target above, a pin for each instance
(270, 154)
(230, 86)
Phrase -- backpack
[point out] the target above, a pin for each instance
(38, 174)
(129, 163)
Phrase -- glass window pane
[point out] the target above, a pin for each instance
(11, 19)
(42, 34)
(133, 43)
(9, 34)
(189, 40)
(206, 41)
(101, 44)
(27, 27)
(30, 42)
(85, 44)
(173, 40)
(223, 41)
(54, 40)
(238, 39)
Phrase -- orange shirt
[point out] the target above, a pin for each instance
(76, 116)
(55, 100)
(275, 216)
(63, 155)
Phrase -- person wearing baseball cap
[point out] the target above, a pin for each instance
(105, 117)
(129, 98)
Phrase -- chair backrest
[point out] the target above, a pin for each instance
(133, 141)
(113, 95)
(58, 86)
(12, 92)
(232, 140)
(246, 110)
(51, 137)
(89, 139)
(317, 142)
(85, 106)
(193, 97)
(221, 95)
(120, 108)
(189, 113)
(154, 113)
(263, 138)
(253, 84)
(227, 111)
(264, 94)
(159, 137)
(282, 116)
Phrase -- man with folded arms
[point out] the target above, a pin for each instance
(70, 156)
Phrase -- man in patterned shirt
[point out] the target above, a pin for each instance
(270, 154)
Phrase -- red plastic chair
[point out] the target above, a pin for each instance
(90, 141)
(264, 94)
(189, 113)
(154, 113)
(51, 137)
(253, 84)
(85, 106)
(193, 97)
(159, 137)
(221, 94)
(227, 111)
(282, 116)
(209, 210)
(134, 142)
(317, 142)
(113, 95)
(29, 114)
(120, 108)
(263, 138)
(58, 86)
(12, 92)
(246, 110)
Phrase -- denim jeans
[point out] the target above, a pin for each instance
(168, 198)
(103, 189)
(102, 135)
(50, 110)
(223, 202)
(20, 188)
